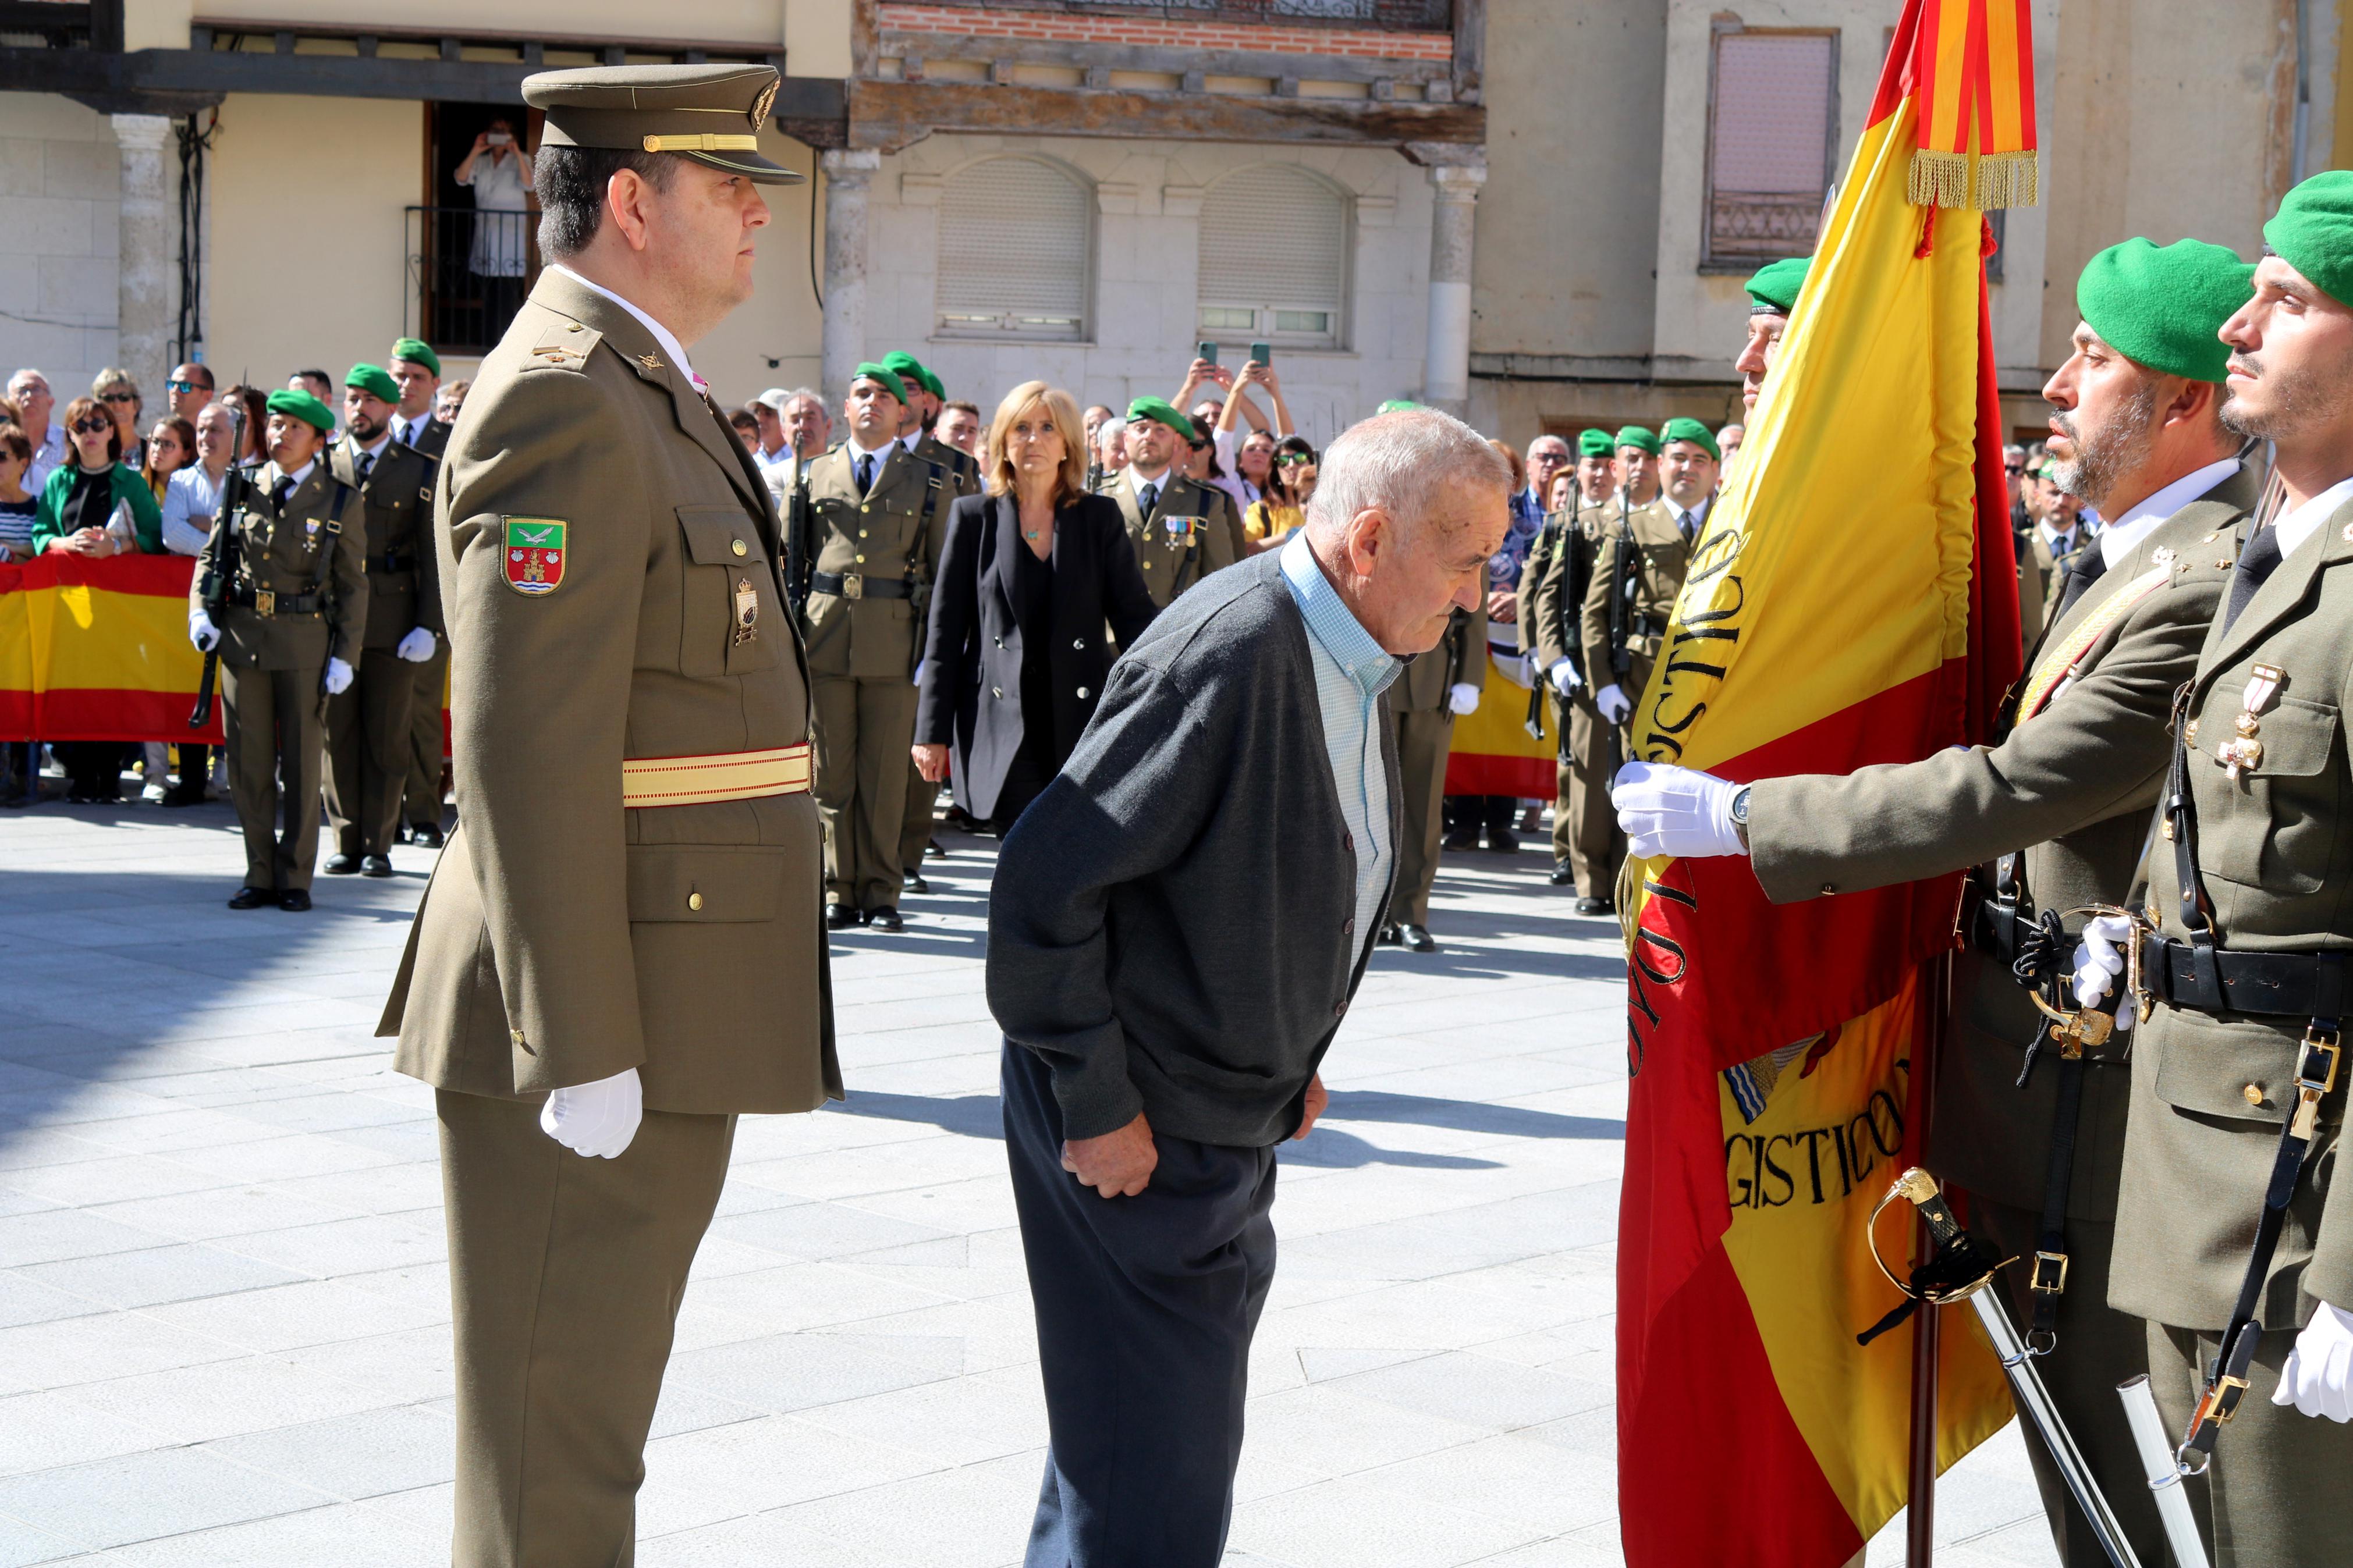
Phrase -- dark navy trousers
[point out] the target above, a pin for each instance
(1145, 1308)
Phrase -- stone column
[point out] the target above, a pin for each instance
(1446, 379)
(849, 175)
(145, 283)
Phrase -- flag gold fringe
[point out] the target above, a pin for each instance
(1940, 179)
(2008, 180)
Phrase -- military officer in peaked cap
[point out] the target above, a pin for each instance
(620, 950)
(2055, 816)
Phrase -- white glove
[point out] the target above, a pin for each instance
(2319, 1376)
(1565, 678)
(595, 1119)
(1612, 703)
(416, 647)
(1463, 698)
(338, 678)
(202, 632)
(2099, 958)
(1674, 811)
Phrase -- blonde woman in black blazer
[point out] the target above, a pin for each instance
(1034, 568)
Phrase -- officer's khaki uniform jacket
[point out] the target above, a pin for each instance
(2275, 853)
(404, 569)
(1658, 578)
(1562, 571)
(2070, 786)
(302, 549)
(1183, 540)
(564, 937)
(963, 469)
(895, 532)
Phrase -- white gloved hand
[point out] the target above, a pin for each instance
(2319, 1376)
(338, 678)
(1674, 811)
(595, 1119)
(1463, 699)
(416, 647)
(1565, 678)
(2099, 958)
(1613, 703)
(202, 632)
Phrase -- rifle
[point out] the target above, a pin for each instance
(215, 589)
(800, 559)
(1621, 590)
(1577, 571)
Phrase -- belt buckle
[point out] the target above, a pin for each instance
(2310, 1090)
(853, 585)
(2050, 1274)
(265, 601)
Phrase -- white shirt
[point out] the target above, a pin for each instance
(405, 431)
(191, 493)
(881, 456)
(662, 335)
(2301, 524)
(2060, 544)
(48, 459)
(781, 458)
(375, 454)
(271, 475)
(2120, 536)
(1690, 522)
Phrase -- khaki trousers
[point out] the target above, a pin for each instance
(565, 1275)
(864, 728)
(2098, 1349)
(421, 795)
(368, 748)
(1584, 825)
(1423, 741)
(271, 717)
(2276, 1495)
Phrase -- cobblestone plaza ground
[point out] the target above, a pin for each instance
(224, 1305)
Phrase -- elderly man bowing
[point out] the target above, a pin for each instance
(1178, 926)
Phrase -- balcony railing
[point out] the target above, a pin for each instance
(468, 271)
(1399, 15)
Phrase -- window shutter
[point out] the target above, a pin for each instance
(1274, 245)
(1769, 143)
(1015, 236)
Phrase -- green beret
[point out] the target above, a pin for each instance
(1161, 411)
(1635, 436)
(1697, 433)
(2161, 306)
(934, 384)
(1396, 405)
(907, 368)
(418, 352)
(1595, 443)
(375, 380)
(1773, 291)
(2313, 232)
(884, 374)
(304, 406)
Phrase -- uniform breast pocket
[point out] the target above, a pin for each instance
(2281, 836)
(729, 620)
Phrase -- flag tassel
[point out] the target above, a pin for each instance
(2008, 180)
(1940, 179)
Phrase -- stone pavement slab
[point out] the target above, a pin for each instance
(224, 1300)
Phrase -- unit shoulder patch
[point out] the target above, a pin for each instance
(534, 553)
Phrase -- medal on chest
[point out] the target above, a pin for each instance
(748, 611)
(2244, 749)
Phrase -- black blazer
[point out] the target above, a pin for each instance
(971, 694)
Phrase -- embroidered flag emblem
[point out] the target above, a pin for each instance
(534, 554)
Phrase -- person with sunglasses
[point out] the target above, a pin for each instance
(1282, 512)
(189, 390)
(119, 395)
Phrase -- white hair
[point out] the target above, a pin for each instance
(1560, 441)
(19, 378)
(1408, 463)
(1114, 426)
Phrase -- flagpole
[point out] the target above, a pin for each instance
(1920, 1512)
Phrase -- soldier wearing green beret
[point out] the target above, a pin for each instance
(875, 517)
(1175, 524)
(294, 597)
(1585, 850)
(621, 949)
(416, 370)
(2233, 1237)
(367, 726)
(2054, 817)
(1637, 573)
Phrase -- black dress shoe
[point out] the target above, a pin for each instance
(1593, 906)
(252, 898)
(427, 833)
(375, 866)
(913, 883)
(1460, 841)
(341, 865)
(181, 794)
(1562, 874)
(840, 916)
(294, 901)
(885, 919)
(1387, 936)
(1418, 939)
(1503, 841)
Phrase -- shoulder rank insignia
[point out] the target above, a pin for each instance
(534, 554)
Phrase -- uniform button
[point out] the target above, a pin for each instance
(738, 546)
(694, 900)
(862, 561)
(862, 534)
(1081, 643)
(1340, 1008)
(1082, 691)
(2254, 1094)
(997, 692)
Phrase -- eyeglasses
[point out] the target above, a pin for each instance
(184, 386)
(92, 425)
(1292, 459)
(2013, 468)
(118, 397)
(1198, 446)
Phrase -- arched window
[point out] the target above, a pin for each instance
(1015, 238)
(1274, 259)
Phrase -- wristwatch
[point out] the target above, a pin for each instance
(1740, 813)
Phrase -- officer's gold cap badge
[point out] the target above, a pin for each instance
(761, 105)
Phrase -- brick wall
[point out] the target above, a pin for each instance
(1357, 43)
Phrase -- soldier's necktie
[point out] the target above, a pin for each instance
(366, 466)
(2257, 561)
(1148, 498)
(865, 474)
(2091, 565)
(280, 491)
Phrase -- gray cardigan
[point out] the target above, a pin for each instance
(1173, 925)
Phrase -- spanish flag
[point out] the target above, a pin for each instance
(1851, 602)
(98, 650)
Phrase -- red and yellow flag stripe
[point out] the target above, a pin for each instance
(98, 650)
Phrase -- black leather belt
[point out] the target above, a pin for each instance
(2217, 980)
(261, 601)
(858, 585)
